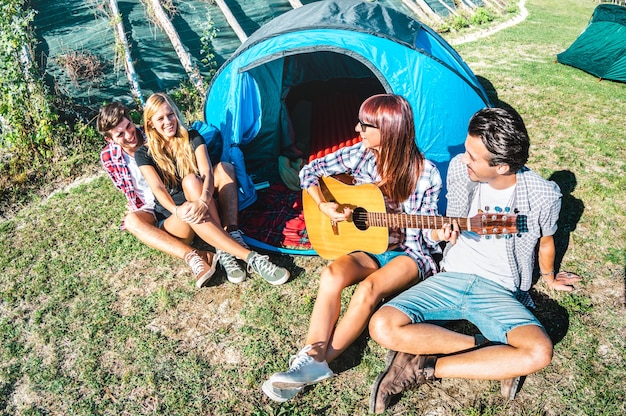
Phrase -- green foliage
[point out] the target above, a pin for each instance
(26, 117)
(208, 50)
(459, 22)
(481, 16)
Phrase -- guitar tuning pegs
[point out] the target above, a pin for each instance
(507, 209)
(516, 210)
(498, 236)
(487, 237)
(480, 211)
(487, 208)
(519, 234)
(498, 209)
(508, 236)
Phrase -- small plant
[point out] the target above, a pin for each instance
(481, 16)
(208, 50)
(459, 22)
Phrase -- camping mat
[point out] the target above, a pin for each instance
(276, 218)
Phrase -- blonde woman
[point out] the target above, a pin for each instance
(176, 166)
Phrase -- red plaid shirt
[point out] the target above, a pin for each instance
(112, 159)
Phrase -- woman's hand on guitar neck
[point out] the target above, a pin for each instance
(330, 210)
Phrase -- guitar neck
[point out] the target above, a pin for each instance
(425, 222)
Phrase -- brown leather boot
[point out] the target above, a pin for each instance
(403, 371)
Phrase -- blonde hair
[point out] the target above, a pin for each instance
(178, 160)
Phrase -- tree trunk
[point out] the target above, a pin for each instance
(423, 10)
(232, 20)
(128, 62)
(184, 56)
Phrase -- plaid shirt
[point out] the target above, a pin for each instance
(536, 198)
(112, 159)
(360, 163)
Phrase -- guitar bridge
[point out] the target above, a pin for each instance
(333, 224)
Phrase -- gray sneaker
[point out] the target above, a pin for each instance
(234, 272)
(237, 235)
(279, 395)
(270, 272)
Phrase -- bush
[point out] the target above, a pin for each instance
(481, 16)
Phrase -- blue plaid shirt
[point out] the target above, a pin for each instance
(360, 163)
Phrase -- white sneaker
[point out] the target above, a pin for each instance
(303, 371)
(279, 395)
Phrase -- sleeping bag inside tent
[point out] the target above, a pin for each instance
(601, 49)
(292, 92)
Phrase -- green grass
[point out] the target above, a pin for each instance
(94, 323)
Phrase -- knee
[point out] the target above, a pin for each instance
(366, 295)
(536, 353)
(329, 280)
(541, 355)
(224, 173)
(192, 186)
(381, 328)
(132, 223)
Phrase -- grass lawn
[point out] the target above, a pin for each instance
(94, 323)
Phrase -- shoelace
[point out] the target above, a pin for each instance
(229, 262)
(236, 235)
(195, 262)
(298, 361)
(262, 265)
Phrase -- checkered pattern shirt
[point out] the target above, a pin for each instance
(112, 159)
(360, 163)
(536, 198)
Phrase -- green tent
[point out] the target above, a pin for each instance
(601, 49)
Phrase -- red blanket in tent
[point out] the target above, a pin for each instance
(276, 218)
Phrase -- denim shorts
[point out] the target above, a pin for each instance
(387, 256)
(450, 296)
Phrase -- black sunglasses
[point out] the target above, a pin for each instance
(364, 126)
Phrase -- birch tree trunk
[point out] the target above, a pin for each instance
(423, 10)
(232, 20)
(129, 68)
(184, 56)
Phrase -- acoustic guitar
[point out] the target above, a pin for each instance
(367, 229)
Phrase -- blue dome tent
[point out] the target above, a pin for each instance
(293, 90)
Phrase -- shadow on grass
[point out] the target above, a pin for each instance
(572, 210)
(553, 317)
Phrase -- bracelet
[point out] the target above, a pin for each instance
(546, 274)
(204, 202)
(176, 211)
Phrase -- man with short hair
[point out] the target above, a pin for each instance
(483, 280)
(118, 159)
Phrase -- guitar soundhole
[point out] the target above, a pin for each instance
(359, 218)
